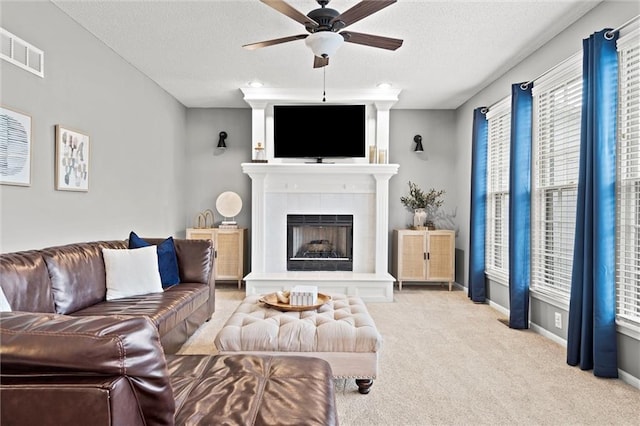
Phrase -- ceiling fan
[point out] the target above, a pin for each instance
(323, 25)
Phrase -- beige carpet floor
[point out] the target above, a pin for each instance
(448, 361)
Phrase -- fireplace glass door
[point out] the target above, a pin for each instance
(320, 242)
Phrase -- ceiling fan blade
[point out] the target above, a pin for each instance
(319, 62)
(362, 10)
(372, 40)
(253, 46)
(293, 13)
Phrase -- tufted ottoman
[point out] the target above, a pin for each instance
(341, 332)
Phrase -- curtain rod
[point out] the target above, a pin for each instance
(607, 34)
(556, 66)
(524, 85)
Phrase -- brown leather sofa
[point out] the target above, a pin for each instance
(71, 280)
(68, 356)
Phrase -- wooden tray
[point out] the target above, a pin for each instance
(271, 300)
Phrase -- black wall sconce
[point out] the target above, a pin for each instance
(418, 140)
(221, 142)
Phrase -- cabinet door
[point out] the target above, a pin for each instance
(199, 234)
(411, 255)
(228, 245)
(440, 249)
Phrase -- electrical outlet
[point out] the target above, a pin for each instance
(558, 318)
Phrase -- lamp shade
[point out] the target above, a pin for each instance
(324, 43)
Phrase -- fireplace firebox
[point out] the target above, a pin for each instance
(320, 242)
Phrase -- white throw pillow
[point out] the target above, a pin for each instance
(131, 272)
(4, 303)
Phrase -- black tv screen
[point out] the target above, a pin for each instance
(319, 131)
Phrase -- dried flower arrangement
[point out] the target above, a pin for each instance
(418, 199)
(423, 204)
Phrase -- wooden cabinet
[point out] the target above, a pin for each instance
(424, 255)
(228, 245)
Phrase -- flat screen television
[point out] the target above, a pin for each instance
(319, 131)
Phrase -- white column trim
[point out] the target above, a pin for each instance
(258, 221)
(382, 222)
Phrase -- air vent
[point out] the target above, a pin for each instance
(20, 53)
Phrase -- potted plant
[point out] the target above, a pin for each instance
(422, 204)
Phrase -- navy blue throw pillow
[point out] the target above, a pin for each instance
(167, 259)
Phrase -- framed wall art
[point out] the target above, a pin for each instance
(72, 160)
(15, 147)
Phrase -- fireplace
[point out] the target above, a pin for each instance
(357, 191)
(351, 186)
(319, 242)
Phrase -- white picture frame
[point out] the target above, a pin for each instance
(15, 147)
(72, 160)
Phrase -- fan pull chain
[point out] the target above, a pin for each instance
(324, 84)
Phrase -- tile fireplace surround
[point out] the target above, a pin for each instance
(361, 190)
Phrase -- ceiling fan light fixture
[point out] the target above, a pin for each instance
(324, 44)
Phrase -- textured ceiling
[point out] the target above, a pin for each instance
(451, 49)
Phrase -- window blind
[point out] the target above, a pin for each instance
(497, 221)
(557, 102)
(628, 191)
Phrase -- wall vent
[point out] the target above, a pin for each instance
(20, 53)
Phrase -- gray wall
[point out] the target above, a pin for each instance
(431, 169)
(137, 168)
(211, 172)
(609, 14)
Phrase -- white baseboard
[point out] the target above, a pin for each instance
(629, 379)
(499, 308)
(623, 375)
(543, 332)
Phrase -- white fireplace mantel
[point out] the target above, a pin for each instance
(358, 189)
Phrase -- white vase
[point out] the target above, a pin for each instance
(419, 217)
